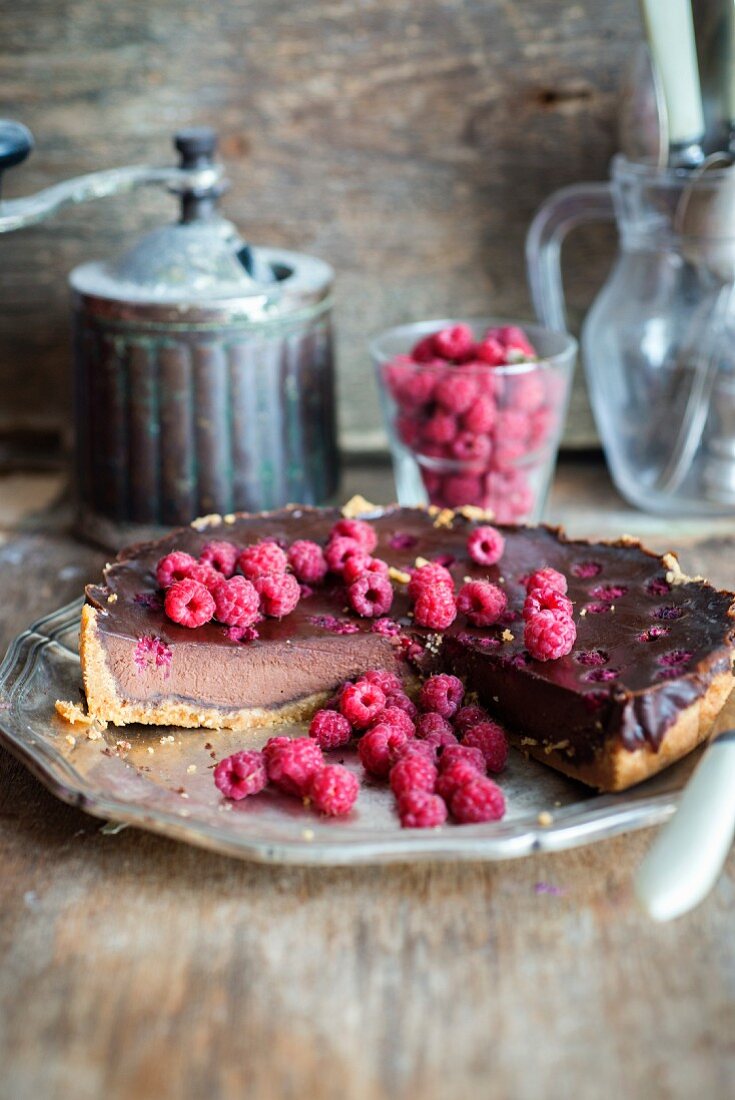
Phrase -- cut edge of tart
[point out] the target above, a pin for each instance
(643, 724)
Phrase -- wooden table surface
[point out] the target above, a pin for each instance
(135, 967)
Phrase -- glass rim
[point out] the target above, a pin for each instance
(413, 330)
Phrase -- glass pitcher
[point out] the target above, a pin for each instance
(659, 340)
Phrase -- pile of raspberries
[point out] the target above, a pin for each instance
(434, 755)
(431, 588)
(238, 587)
(469, 424)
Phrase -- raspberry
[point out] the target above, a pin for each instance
(330, 729)
(456, 775)
(490, 351)
(273, 744)
(479, 800)
(334, 790)
(549, 635)
(408, 429)
(527, 392)
(189, 603)
(442, 694)
(461, 489)
(423, 351)
(468, 716)
(412, 773)
(401, 700)
(417, 389)
(378, 749)
(471, 448)
(241, 774)
(440, 428)
(481, 417)
(307, 561)
(357, 564)
(339, 550)
(358, 530)
(469, 754)
(421, 810)
(435, 608)
(430, 724)
(397, 719)
(221, 556)
(547, 578)
(427, 577)
(427, 750)
(291, 766)
(440, 739)
(279, 593)
(263, 557)
(514, 339)
(483, 603)
(456, 392)
(370, 595)
(455, 342)
(176, 566)
(489, 737)
(361, 703)
(546, 599)
(206, 575)
(485, 545)
(236, 602)
(387, 681)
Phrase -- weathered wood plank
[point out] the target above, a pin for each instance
(408, 144)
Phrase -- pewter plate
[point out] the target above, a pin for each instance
(160, 778)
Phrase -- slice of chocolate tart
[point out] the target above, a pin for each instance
(650, 669)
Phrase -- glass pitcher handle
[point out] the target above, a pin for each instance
(563, 211)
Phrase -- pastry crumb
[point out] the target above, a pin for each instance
(357, 506)
(191, 769)
(421, 562)
(675, 575)
(445, 518)
(112, 598)
(506, 636)
(71, 739)
(398, 575)
(229, 518)
(307, 834)
(73, 713)
(472, 512)
(202, 522)
(545, 819)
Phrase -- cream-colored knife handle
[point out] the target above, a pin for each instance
(686, 858)
(671, 35)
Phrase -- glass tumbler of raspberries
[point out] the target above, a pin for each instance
(474, 411)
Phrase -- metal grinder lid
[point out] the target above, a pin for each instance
(200, 269)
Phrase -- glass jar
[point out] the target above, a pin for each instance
(659, 341)
(499, 451)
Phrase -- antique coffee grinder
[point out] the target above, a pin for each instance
(203, 366)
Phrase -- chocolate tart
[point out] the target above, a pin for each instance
(651, 667)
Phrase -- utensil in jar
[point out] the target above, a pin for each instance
(670, 30)
(687, 857)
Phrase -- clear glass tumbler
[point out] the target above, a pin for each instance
(489, 440)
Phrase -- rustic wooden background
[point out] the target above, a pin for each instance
(406, 142)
